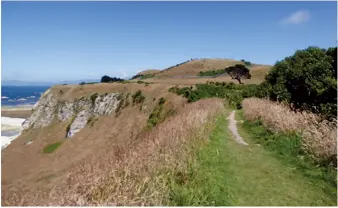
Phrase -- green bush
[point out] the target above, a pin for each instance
(308, 80)
(233, 93)
(211, 72)
(138, 97)
(159, 114)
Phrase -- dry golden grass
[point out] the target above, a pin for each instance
(192, 68)
(137, 177)
(130, 171)
(195, 66)
(319, 136)
(193, 81)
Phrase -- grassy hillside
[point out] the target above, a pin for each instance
(180, 74)
(29, 166)
(192, 68)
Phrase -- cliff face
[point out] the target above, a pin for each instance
(79, 112)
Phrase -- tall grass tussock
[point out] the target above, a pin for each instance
(319, 136)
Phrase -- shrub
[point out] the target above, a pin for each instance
(82, 83)
(106, 78)
(233, 93)
(211, 72)
(138, 97)
(159, 113)
(307, 80)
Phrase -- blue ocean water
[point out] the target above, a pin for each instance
(21, 95)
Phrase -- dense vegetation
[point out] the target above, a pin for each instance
(106, 78)
(233, 93)
(307, 81)
(158, 114)
(211, 72)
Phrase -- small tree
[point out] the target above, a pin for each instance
(307, 79)
(238, 72)
(105, 78)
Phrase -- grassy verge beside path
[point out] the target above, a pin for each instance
(227, 173)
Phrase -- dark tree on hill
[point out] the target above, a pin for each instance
(106, 78)
(238, 72)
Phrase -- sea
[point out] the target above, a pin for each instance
(12, 96)
(17, 97)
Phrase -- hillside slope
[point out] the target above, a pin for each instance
(192, 68)
(81, 123)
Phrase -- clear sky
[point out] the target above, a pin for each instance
(56, 41)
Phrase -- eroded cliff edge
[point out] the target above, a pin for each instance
(78, 111)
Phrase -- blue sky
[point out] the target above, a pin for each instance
(58, 41)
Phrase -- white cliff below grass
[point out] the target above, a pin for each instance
(78, 112)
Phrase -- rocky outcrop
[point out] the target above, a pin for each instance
(77, 112)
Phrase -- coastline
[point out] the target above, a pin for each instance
(16, 111)
(16, 107)
(12, 118)
(10, 130)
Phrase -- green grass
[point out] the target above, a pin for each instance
(51, 147)
(234, 94)
(226, 173)
(287, 148)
